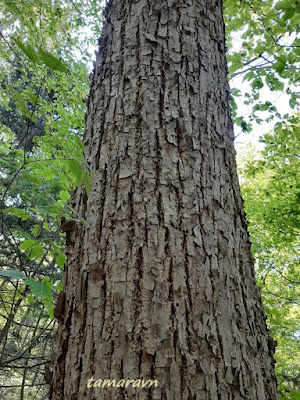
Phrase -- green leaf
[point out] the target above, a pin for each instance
(60, 260)
(82, 221)
(24, 110)
(75, 169)
(239, 121)
(49, 172)
(279, 67)
(32, 98)
(262, 107)
(39, 288)
(257, 83)
(24, 215)
(52, 62)
(88, 184)
(52, 210)
(30, 299)
(46, 226)
(235, 62)
(79, 143)
(64, 195)
(33, 178)
(36, 251)
(43, 290)
(296, 19)
(13, 274)
(295, 395)
(278, 85)
(26, 244)
(35, 230)
(249, 76)
(28, 50)
(293, 101)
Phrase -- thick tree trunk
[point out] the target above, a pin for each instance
(160, 284)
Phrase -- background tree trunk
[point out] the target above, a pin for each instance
(160, 284)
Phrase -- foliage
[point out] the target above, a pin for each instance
(267, 55)
(271, 190)
(44, 87)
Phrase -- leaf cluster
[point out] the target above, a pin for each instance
(271, 190)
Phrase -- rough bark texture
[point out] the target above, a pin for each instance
(160, 284)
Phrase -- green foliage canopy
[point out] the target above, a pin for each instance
(271, 190)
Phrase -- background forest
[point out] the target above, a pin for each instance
(46, 54)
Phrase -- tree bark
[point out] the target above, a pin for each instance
(160, 283)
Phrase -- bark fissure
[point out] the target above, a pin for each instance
(160, 283)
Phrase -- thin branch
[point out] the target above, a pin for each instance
(290, 300)
(29, 119)
(11, 48)
(28, 366)
(259, 66)
(19, 355)
(14, 386)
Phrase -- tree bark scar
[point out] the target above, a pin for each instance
(67, 226)
(95, 271)
(48, 374)
(146, 358)
(60, 306)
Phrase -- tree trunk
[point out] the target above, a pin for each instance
(160, 283)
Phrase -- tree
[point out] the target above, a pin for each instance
(160, 283)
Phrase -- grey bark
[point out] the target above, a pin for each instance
(160, 283)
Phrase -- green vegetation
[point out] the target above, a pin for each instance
(271, 191)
